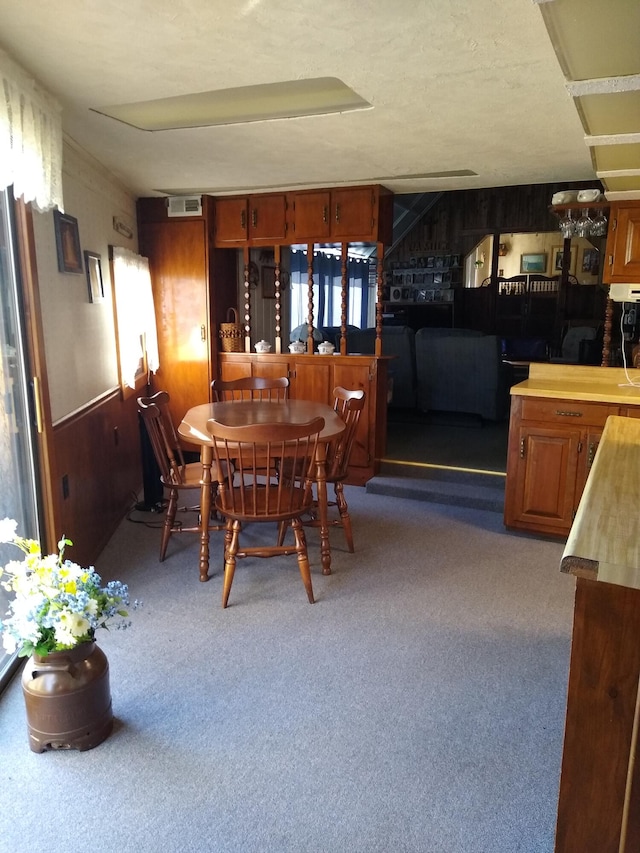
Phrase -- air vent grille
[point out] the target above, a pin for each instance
(186, 205)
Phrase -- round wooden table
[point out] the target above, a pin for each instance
(193, 430)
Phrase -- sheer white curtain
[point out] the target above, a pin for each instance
(30, 138)
(137, 333)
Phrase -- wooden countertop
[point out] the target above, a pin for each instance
(604, 542)
(581, 382)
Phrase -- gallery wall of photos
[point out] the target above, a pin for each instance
(423, 278)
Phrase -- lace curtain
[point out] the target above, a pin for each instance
(30, 138)
(137, 333)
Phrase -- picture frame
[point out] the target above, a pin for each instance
(92, 262)
(67, 243)
(590, 261)
(557, 254)
(533, 262)
(268, 276)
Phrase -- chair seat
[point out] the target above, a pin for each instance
(191, 476)
(297, 501)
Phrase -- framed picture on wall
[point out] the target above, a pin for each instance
(557, 254)
(534, 262)
(591, 261)
(94, 276)
(67, 242)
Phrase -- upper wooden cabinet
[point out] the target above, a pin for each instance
(257, 219)
(349, 213)
(623, 243)
(309, 215)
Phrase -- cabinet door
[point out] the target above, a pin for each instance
(234, 369)
(231, 220)
(178, 266)
(545, 479)
(352, 213)
(359, 377)
(311, 379)
(588, 448)
(310, 214)
(623, 247)
(272, 369)
(267, 218)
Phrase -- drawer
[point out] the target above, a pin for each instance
(570, 412)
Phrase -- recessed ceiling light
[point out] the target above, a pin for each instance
(263, 102)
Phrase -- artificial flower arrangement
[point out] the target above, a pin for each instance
(58, 605)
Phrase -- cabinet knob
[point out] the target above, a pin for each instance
(243, 220)
(337, 213)
(324, 213)
(254, 218)
(522, 448)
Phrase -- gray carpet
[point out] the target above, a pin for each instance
(417, 707)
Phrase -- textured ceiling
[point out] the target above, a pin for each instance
(457, 87)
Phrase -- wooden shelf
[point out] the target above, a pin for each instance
(580, 205)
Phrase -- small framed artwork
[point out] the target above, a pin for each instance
(269, 282)
(67, 243)
(591, 261)
(557, 253)
(94, 276)
(534, 262)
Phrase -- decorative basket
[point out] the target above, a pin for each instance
(231, 335)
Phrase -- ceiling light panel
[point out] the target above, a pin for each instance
(616, 157)
(263, 102)
(606, 114)
(580, 29)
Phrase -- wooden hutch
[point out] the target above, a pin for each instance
(194, 271)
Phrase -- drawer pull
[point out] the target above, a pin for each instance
(593, 446)
(568, 414)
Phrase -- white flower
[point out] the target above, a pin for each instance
(8, 529)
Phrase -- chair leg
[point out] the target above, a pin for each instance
(230, 550)
(169, 520)
(282, 532)
(303, 557)
(345, 518)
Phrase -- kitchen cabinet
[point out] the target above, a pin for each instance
(188, 304)
(552, 445)
(313, 377)
(310, 216)
(623, 244)
(256, 219)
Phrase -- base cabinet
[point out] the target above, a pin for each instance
(552, 445)
(313, 377)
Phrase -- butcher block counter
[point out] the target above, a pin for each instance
(556, 421)
(599, 801)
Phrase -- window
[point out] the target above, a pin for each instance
(137, 339)
(327, 289)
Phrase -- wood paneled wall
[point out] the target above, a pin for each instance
(459, 219)
(98, 451)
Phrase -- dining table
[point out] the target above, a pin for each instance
(193, 431)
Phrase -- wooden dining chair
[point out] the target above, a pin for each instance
(177, 477)
(248, 495)
(349, 405)
(251, 388)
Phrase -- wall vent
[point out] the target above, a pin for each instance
(184, 205)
